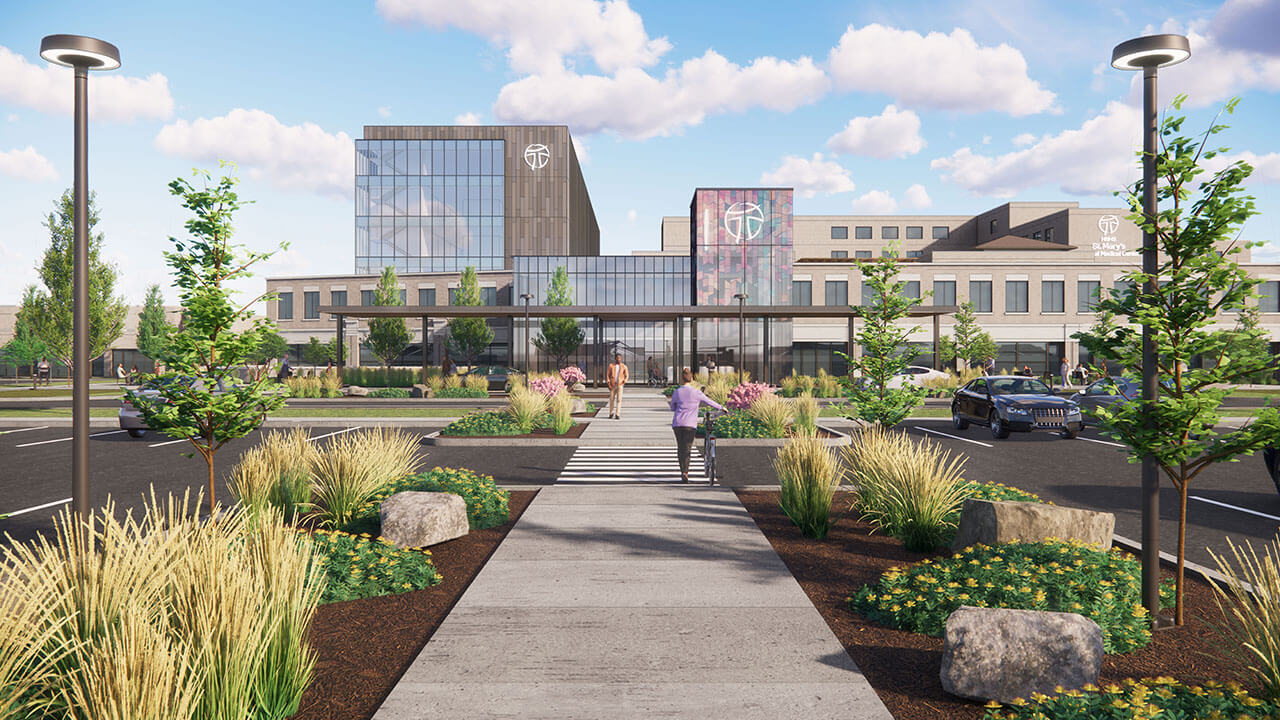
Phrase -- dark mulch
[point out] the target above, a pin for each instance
(364, 646)
(903, 667)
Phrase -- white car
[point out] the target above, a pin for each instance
(916, 375)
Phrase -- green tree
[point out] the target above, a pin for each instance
(52, 319)
(1199, 283)
(335, 352)
(885, 351)
(153, 329)
(216, 407)
(25, 348)
(968, 341)
(388, 337)
(561, 337)
(271, 345)
(468, 336)
(315, 352)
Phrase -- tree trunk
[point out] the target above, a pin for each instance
(1182, 548)
(208, 458)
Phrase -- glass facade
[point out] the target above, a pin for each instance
(623, 280)
(742, 243)
(429, 205)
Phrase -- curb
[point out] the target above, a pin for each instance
(839, 439)
(483, 440)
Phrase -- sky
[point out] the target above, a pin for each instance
(862, 107)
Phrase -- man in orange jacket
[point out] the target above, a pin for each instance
(616, 376)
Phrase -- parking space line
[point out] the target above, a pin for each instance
(321, 437)
(46, 442)
(38, 507)
(6, 432)
(953, 437)
(1100, 442)
(1234, 507)
(167, 442)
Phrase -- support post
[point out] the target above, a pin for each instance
(80, 305)
(1150, 388)
(426, 343)
(765, 355)
(852, 342)
(341, 344)
(677, 359)
(937, 335)
(693, 344)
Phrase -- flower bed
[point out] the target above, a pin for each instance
(361, 566)
(388, 392)
(486, 502)
(461, 392)
(1159, 697)
(499, 423)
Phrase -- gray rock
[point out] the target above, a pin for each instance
(990, 523)
(578, 387)
(997, 654)
(355, 391)
(579, 406)
(420, 519)
(420, 391)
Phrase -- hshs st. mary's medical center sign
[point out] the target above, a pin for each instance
(1108, 245)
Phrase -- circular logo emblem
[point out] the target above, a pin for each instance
(536, 156)
(743, 221)
(1108, 224)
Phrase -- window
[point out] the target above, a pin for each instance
(992, 226)
(839, 253)
(839, 232)
(1121, 288)
(862, 254)
(862, 232)
(366, 297)
(980, 295)
(1269, 296)
(1015, 296)
(868, 295)
(1048, 234)
(404, 296)
(802, 292)
(489, 295)
(915, 232)
(1035, 235)
(1052, 298)
(889, 233)
(944, 292)
(338, 297)
(284, 306)
(1087, 294)
(427, 296)
(311, 305)
(915, 253)
(911, 289)
(941, 232)
(837, 292)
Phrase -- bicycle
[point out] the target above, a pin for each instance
(709, 445)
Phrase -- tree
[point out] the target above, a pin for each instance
(468, 336)
(153, 329)
(271, 345)
(885, 351)
(315, 352)
(52, 319)
(25, 348)
(1197, 283)
(335, 352)
(969, 342)
(201, 397)
(560, 337)
(388, 337)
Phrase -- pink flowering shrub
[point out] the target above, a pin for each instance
(742, 396)
(572, 375)
(549, 385)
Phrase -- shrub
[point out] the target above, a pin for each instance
(546, 385)
(788, 386)
(355, 465)
(773, 412)
(477, 383)
(806, 411)
(1161, 697)
(276, 473)
(454, 382)
(484, 422)
(436, 383)
(740, 424)
(561, 407)
(572, 375)
(525, 406)
(389, 392)
(742, 396)
(358, 566)
(804, 383)
(1057, 576)
(808, 474)
(461, 392)
(381, 377)
(911, 490)
(1253, 638)
(487, 504)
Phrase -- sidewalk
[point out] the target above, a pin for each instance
(646, 420)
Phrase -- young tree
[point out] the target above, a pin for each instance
(561, 337)
(52, 320)
(388, 337)
(203, 400)
(969, 342)
(333, 352)
(885, 351)
(25, 348)
(272, 345)
(315, 352)
(153, 329)
(469, 336)
(1197, 284)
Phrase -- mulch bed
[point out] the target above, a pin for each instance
(364, 646)
(537, 434)
(903, 667)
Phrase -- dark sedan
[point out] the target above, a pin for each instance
(497, 375)
(1008, 403)
(1107, 392)
(1273, 465)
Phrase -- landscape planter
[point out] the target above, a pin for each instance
(539, 437)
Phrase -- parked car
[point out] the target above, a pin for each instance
(496, 374)
(916, 375)
(1106, 392)
(1013, 403)
(1269, 456)
(131, 417)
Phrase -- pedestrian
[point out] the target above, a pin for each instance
(989, 367)
(120, 376)
(133, 374)
(1026, 371)
(655, 375)
(446, 366)
(285, 371)
(684, 405)
(1064, 370)
(711, 365)
(616, 376)
(43, 371)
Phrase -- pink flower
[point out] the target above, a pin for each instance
(548, 386)
(743, 395)
(572, 375)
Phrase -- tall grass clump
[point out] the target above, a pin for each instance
(804, 383)
(808, 474)
(355, 465)
(805, 408)
(330, 384)
(825, 385)
(476, 382)
(525, 406)
(276, 473)
(909, 489)
(773, 412)
(789, 385)
(560, 406)
(1252, 627)
(453, 381)
(436, 383)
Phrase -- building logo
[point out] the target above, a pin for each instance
(1108, 245)
(1108, 224)
(743, 221)
(536, 156)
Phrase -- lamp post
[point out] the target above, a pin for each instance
(742, 325)
(82, 54)
(1149, 54)
(528, 352)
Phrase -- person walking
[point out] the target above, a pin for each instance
(684, 405)
(285, 370)
(44, 371)
(1064, 369)
(616, 376)
(989, 367)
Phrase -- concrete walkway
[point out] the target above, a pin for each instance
(634, 601)
(645, 420)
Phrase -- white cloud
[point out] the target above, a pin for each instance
(876, 202)
(1266, 168)
(1248, 25)
(467, 118)
(580, 149)
(917, 198)
(111, 96)
(637, 105)
(13, 117)
(302, 157)
(540, 34)
(1023, 139)
(384, 111)
(986, 139)
(632, 215)
(1214, 72)
(809, 177)
(946, 72)
(892, 133)
(1095, 159)
(27, 164)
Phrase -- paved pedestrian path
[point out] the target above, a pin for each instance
(629, 464)
(645, 420)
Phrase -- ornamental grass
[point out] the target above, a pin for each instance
(526, 406)
(825, 385)
(355, 465)
(560, 406)
(773, 412)
(476, 383)
(276, 473)
(804, 383)
(453, 381)
(330, 384)
(808, 474)
(1250, 601)
(806, 411)
(788, 385)
(1160, 697)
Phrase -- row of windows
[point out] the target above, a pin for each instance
(866, 254)
(429, 196)
(888, 232)
(429, 157)
(311, 300)
(611, 264)
(1016, 300)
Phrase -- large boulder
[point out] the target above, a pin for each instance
(578, 387)
(420, 391)
(420, 519)
(579, 406)
(1002, 655)
(991, 522)
(355, 391)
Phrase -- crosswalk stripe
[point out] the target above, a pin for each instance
(623, 464)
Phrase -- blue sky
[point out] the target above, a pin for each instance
(944, 107)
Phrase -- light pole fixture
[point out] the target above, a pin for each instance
(528, 352)
(742, 326)
(1149, 54)
(81, 54)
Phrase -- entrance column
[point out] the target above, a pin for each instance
(693, 344)
(764, 350)
(937, 333)
(426, 337)
(677, 360)
(341, 342)
(852, 341)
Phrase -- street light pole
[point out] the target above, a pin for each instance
(81, 54)
(742, 299)
(528, 352)
(1149, 54)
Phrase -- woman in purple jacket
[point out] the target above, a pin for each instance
(685, 402)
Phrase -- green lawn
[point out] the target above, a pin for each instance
(55, 392)
(354, 412)
(62, 412)
(921, 411)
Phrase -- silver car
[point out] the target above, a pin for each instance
(1106, 392)
(131, 417)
